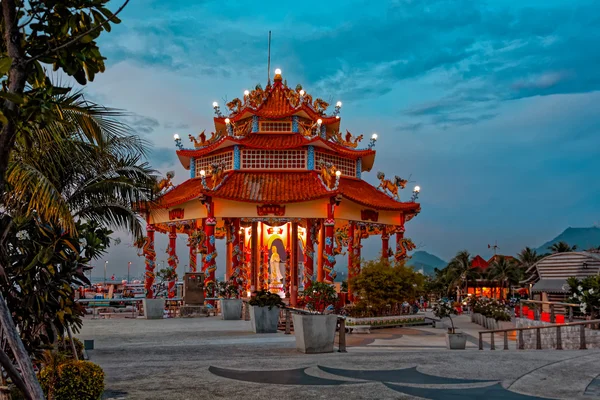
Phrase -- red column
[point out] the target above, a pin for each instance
(236, 252)
(193, 245)
(321, 258)
(294, 266)
(329, 258)
(350, 258)
(309, 252)
(228, 250)
(254, 257)
(261, 259)
(385, 243)
(210, 260)
(150, 256)
(399, 237)
(172, 260)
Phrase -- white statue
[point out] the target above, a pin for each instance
(275, 262)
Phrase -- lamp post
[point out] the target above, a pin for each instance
(105, 264)
(128, 267)
(415, 194)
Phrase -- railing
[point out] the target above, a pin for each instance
(538, 307)
(538, 335)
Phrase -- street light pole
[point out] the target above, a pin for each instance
(105, 264)
(128, 266)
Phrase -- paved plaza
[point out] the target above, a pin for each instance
(207, 358)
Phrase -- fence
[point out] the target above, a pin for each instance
(536, 311)
(538, 335)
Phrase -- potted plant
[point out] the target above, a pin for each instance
(264, 311)
(315, 333)
(154, 308)
(454, 341)
(231, 304)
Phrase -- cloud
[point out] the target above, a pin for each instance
(176, 125)
(141, 124)
(162, 157)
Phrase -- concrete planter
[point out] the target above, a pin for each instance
(492, 324)
(264, 320)
(231, 309)
(456, 341)
(314, 333)
(154, 308)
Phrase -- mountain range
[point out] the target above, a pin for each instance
(583, 238)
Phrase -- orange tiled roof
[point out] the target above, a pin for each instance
(283, 187)
(276, 105)
(363, 193)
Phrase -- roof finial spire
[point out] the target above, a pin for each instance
(269, 62)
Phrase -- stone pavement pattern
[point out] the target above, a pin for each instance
(207, 358)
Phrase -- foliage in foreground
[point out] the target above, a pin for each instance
(381, 285)
(318, 296)
(585, 292)
(489, 308)
(44, 265)
(72, 380)
(443, 309)
(264, 298)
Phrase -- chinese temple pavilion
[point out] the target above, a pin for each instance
(280, 182)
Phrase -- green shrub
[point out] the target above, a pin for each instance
(72, 380)
(263, 298)
(64, 346)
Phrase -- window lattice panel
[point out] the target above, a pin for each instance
(346, 165)
(276, 126)
(225, 159)
(273, 159)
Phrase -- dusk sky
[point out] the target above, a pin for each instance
(492, 106)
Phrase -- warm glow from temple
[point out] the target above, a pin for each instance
(282, 184)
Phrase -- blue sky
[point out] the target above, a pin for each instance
(492, 106)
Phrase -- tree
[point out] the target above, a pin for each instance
(505, 271)
(562, 247)
(37, 33)
(461, 271)
(527, 257)
(382, 285)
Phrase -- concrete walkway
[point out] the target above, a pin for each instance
(207, 358)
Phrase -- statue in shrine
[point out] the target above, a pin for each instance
(275, 263)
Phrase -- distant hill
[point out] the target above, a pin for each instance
(583, 238)
(427, 262)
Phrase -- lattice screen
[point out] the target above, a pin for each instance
(225, 159)
(346, 165)
(273, 159)
(276, 126)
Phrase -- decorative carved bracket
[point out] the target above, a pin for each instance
(267, 209)
(369, 215)
(176, 213)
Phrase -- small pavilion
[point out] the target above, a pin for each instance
(282, 185)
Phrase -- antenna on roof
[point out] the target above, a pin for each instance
(494, 246)
(269, 62)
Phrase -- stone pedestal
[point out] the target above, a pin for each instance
(264, 320)
(154, 308)
(314, 333)
(231, 309)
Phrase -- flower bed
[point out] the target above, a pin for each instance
(383, 322)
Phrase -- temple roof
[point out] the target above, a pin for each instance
(278, 142)
(277, 101)
(281, 188)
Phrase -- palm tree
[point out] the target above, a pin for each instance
(460, 270)
(562, 247)
(505, 271)
(527, 257)
(90, 170)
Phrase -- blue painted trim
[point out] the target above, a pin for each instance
(359, 168)
(295, 123)
(310, 161)
(323, 131)
(236, 157)
(192, 167)
(254, 123)
(230, 130)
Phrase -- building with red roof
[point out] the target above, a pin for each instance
(280, 182)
